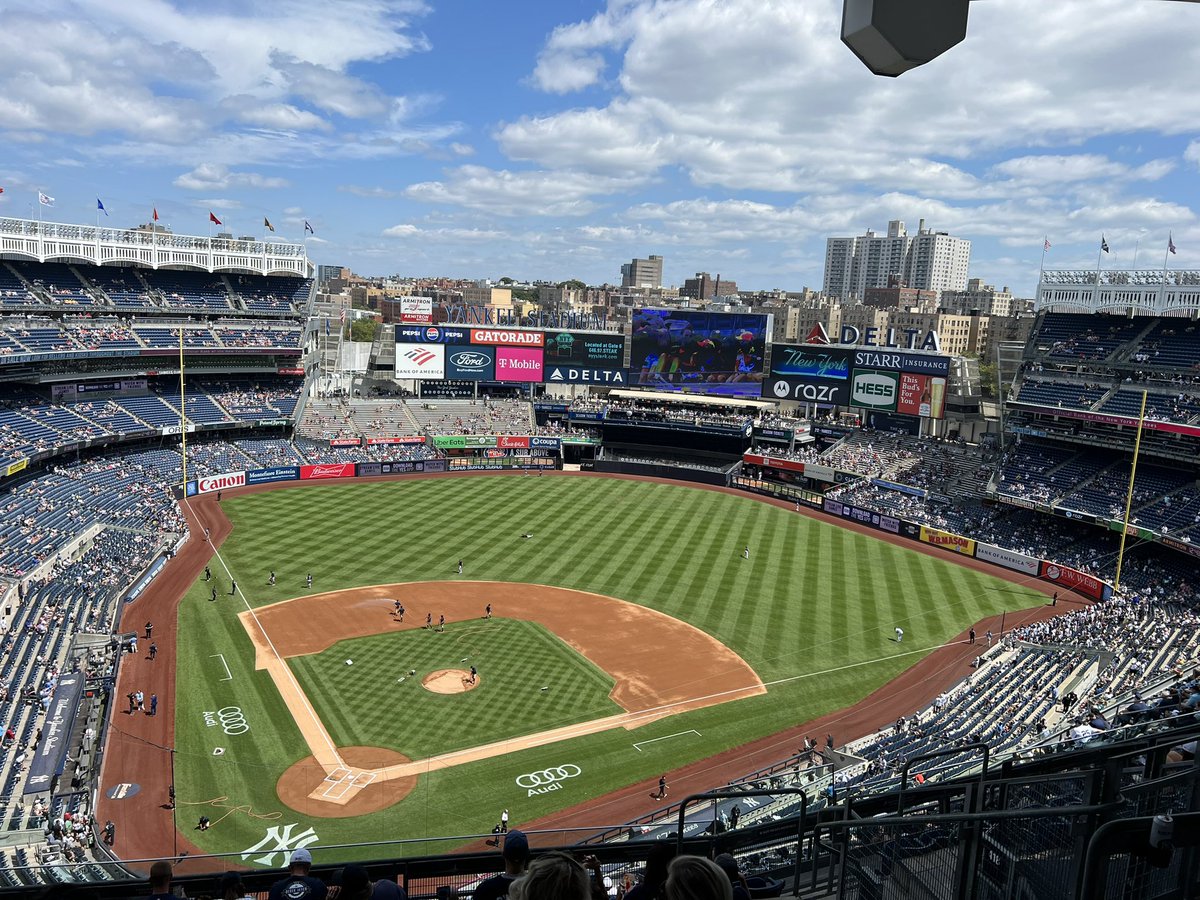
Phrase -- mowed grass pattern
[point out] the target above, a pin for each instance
(366, 703)
(813, 611)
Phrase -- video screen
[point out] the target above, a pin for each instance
(697, 351)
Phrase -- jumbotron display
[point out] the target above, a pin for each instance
(701, 352)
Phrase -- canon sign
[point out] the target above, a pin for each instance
(220, 482)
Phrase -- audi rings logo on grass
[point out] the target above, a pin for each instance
(547, 780)
(231, 719)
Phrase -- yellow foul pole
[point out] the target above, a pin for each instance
(182, 411)
(1137, 446)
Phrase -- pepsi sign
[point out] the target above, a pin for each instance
(431, 334)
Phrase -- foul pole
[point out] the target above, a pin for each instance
(1137, 446)
(182, 412)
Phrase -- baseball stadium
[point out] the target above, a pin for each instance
(660, 583)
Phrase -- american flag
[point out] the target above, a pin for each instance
(1045, 244)
(1171, 242)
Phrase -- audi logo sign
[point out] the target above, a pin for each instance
(220, 482)
(547, 780)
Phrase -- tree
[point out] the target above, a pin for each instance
(989, 380)
(506, 280)
(574, 284)
(363, 330)
(525, 295)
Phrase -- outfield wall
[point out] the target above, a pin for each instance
(1042, 569)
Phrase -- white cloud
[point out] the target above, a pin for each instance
(503, 192)
(374, 193)
(210, 176)
(401, 231)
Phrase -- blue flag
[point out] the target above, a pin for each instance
(100, 206)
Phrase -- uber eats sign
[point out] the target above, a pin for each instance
(874, 390)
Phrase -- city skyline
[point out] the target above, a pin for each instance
(566, 141)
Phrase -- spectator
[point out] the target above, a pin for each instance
(657, 861)
(160, 882)
(696, 878)
(299, 885)
(356, 884)
(231, 887)
(737, 880)
(555, 876)
(516, 858)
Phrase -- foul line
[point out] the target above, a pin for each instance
(638, 744)
(286, 668)
(221, 656)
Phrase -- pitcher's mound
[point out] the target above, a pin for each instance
(302, 778)
(449, 681)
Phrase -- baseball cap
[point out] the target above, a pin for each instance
(516, 845)
(301, 856)
(353, 880)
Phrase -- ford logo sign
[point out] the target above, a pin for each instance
(470, 360)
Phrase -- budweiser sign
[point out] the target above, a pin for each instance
(336, 470)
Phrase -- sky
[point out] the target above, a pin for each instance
(556, 139)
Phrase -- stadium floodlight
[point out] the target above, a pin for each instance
(893, 36)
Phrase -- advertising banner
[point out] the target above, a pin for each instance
(345, 442)
(900, 361)
(447, 390)
(900, 488)
(1106, 419)
(289, 370)
(276, 473)
(421, 361)
(948, 541)
(921, 395)
(819, 472)
(369, 469)
(334, 470)
(469, 363)
(804, 362)
(210, 483)
(1009, 559)
(874, 390)
(585, 349)
(18, 466)
(432, 334)
(580, 375)
(418, 310)
(887, 523)
(547, 443)
(790, 465)
(519, 363)
(697, 351)
(507, 337)
(50, 756)
(1074, 580)
(774, 434)
(402, 468)
(833, 507)
(512, 442)
(463, 441)
(403, 439)
(435, 465)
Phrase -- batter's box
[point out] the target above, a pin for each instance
(339, 774)
(362, 779)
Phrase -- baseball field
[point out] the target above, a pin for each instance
(629, 636)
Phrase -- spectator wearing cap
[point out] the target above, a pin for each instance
(737, 881)
(231, 887)
(299, 885)
(356, 884)
(160, 882)
(516, 858)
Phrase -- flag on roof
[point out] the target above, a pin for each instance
(45, 200)
(1103, 244)
(267, 224)
(1171, 242)
(308, 228)
(213, 218)
(156, 214)
(1045, 244)
(100, 206)
(1, 190)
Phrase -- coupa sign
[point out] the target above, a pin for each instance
(874, 390)
(220, 482)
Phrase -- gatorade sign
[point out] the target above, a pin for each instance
(874, 390)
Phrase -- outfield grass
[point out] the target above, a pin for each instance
(813, 609)
(366, 704)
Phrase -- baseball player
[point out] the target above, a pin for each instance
(487, 612)
(429, 621)
(441, 623)
(308, 581)
(460, 567)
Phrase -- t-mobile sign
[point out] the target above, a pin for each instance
(518, 363)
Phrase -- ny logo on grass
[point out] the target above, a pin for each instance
(284, 843)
